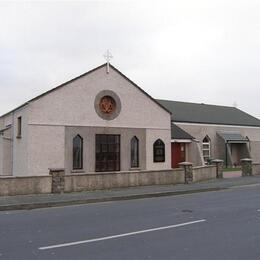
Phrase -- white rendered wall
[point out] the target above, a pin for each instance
(46, 149)
(20, 145)
(1, 155)
(7, 120)
(73, 104)
(151, 136)
(6, 152)
(2, 123)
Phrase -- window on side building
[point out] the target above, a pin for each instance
(77, 152)
(206, 149)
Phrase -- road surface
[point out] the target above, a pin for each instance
(211, 225)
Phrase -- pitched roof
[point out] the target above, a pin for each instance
(208, 114)
(82, 75)
(178, 133)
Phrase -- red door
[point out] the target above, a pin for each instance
(178, 154)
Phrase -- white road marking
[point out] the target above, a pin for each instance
(258, 210)
(120, 235)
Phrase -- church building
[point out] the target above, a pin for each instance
(98, 122)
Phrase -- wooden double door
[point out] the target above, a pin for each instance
(107, 153)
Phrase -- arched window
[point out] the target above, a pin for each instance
(206, 149)
(134, 152)
(77, 152)
(158, 151)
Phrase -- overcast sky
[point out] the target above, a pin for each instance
(195, 51)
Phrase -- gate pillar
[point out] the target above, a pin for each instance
(188, 171)
(246, 165)
(219, 167)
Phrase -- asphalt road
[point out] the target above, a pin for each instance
(212, 225)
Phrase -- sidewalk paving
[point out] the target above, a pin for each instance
(51, 200)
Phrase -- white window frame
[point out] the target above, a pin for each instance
(206, 150)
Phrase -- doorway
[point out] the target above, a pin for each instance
(178, 154)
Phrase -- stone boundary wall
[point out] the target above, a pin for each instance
(99, 181)
(10, 186)
(256, 168)
(202, 173)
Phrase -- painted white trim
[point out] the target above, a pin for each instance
(180, 141)
(120, 235)
(208, 149)
(101, 126)
(198, 124)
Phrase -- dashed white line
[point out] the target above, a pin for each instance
(120, 235)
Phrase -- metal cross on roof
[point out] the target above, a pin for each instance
(108, 56)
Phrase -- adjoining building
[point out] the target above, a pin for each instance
(212, 131)
(101, 121)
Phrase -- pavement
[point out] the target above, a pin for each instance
(22, 202)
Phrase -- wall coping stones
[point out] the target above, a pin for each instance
(56, 169)
(185, 164)
(217, 161)
(124, 172)
(246, 160)
(23, 177)
(203, 167)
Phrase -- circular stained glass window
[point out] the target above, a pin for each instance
(107, 105)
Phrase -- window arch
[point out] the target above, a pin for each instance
(134, 152)
(158, 151)
(77, 152)
(206, 149)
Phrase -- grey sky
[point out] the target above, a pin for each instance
(195, 51)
